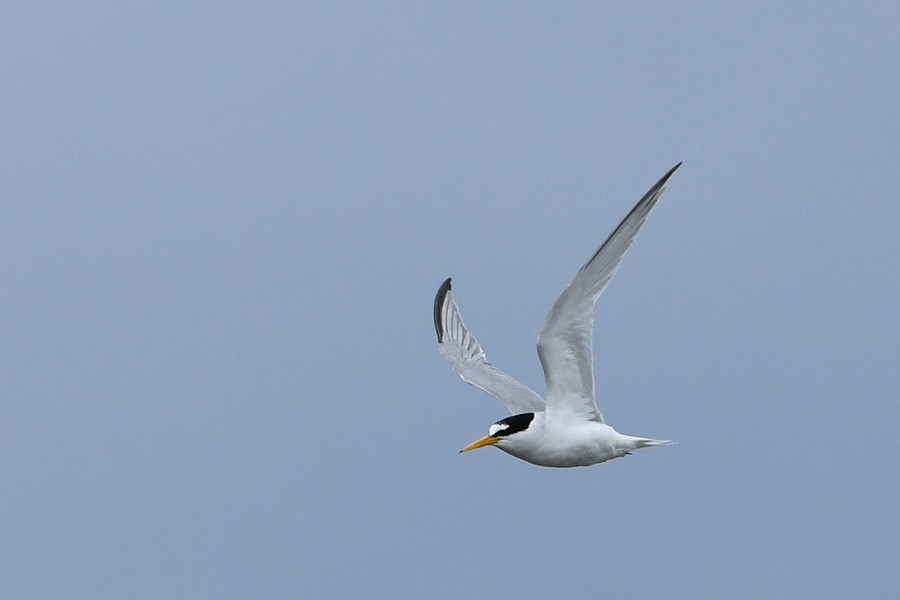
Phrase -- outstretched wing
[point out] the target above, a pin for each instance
(465, 355)
(564, 344)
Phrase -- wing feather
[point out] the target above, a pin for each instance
(465, 355)
(565, 341)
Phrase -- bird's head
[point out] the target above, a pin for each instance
(503, 431)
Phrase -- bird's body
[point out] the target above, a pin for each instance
(566, 430)
(550, 443)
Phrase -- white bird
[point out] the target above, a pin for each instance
(566, 430)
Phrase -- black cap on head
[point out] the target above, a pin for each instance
(511, 425)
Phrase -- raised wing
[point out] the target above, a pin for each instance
(465, 355)
(564, 344)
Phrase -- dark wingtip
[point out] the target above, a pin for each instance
(659, 184)
(438, 305)
(665, 177)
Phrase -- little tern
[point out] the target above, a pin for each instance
(566, 430)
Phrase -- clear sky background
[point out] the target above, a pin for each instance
(222, 228)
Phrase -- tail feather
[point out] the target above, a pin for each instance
(647, 442)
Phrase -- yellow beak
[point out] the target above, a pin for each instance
(487, 440)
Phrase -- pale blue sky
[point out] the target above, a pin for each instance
(222, 227)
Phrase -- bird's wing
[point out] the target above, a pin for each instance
(564, 344)
(465, 355)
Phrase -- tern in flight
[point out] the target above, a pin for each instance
(566, 430)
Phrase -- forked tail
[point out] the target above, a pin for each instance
(647, 442)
